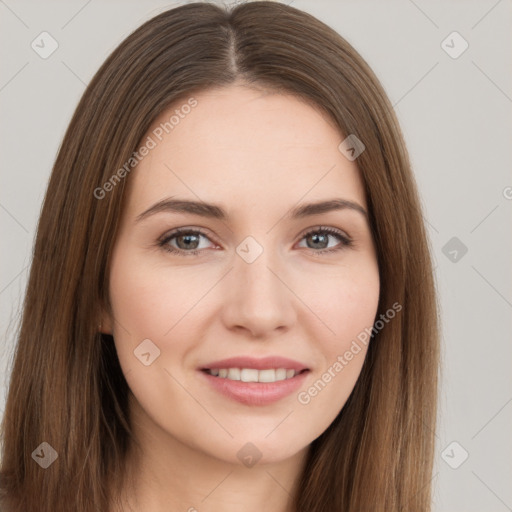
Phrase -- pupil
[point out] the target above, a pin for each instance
(187, 238)
(316, 237)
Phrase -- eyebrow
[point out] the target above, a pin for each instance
(209, 210)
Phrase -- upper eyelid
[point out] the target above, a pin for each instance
(180, 231)
(325, 228)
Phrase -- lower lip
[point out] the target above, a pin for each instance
(256, 393)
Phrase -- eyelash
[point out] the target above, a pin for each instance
(164, 242)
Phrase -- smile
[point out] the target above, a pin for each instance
(249, 387)
(253, 375)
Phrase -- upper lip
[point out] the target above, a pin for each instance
(263, 363)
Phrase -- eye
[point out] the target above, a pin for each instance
(320, 237)
(187, 241)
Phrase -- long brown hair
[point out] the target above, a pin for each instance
(67, 387)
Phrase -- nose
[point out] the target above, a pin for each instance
(257, 297)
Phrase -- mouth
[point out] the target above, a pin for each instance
(255, 382)
(253, 374)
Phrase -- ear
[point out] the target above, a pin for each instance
(105, 324)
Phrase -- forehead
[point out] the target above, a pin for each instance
(240, 147)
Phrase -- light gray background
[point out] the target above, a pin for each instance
(456, 117)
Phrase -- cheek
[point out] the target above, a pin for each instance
(345, 301)
(149, 300)
(157, 303)
(136, 304)
(346, 304)
(352, 309)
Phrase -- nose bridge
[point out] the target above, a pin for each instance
(258, 298)
(256, 279)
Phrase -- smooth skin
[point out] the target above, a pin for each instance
(257, 155)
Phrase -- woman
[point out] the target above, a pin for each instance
(188, 342)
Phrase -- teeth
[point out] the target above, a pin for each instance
(253, 375)
(248, 375)
(267, 375)
(281, 373)
(234, 374)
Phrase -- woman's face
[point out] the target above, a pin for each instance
(250, 278)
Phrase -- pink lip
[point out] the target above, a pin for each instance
(257, 364)
(255, 393)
